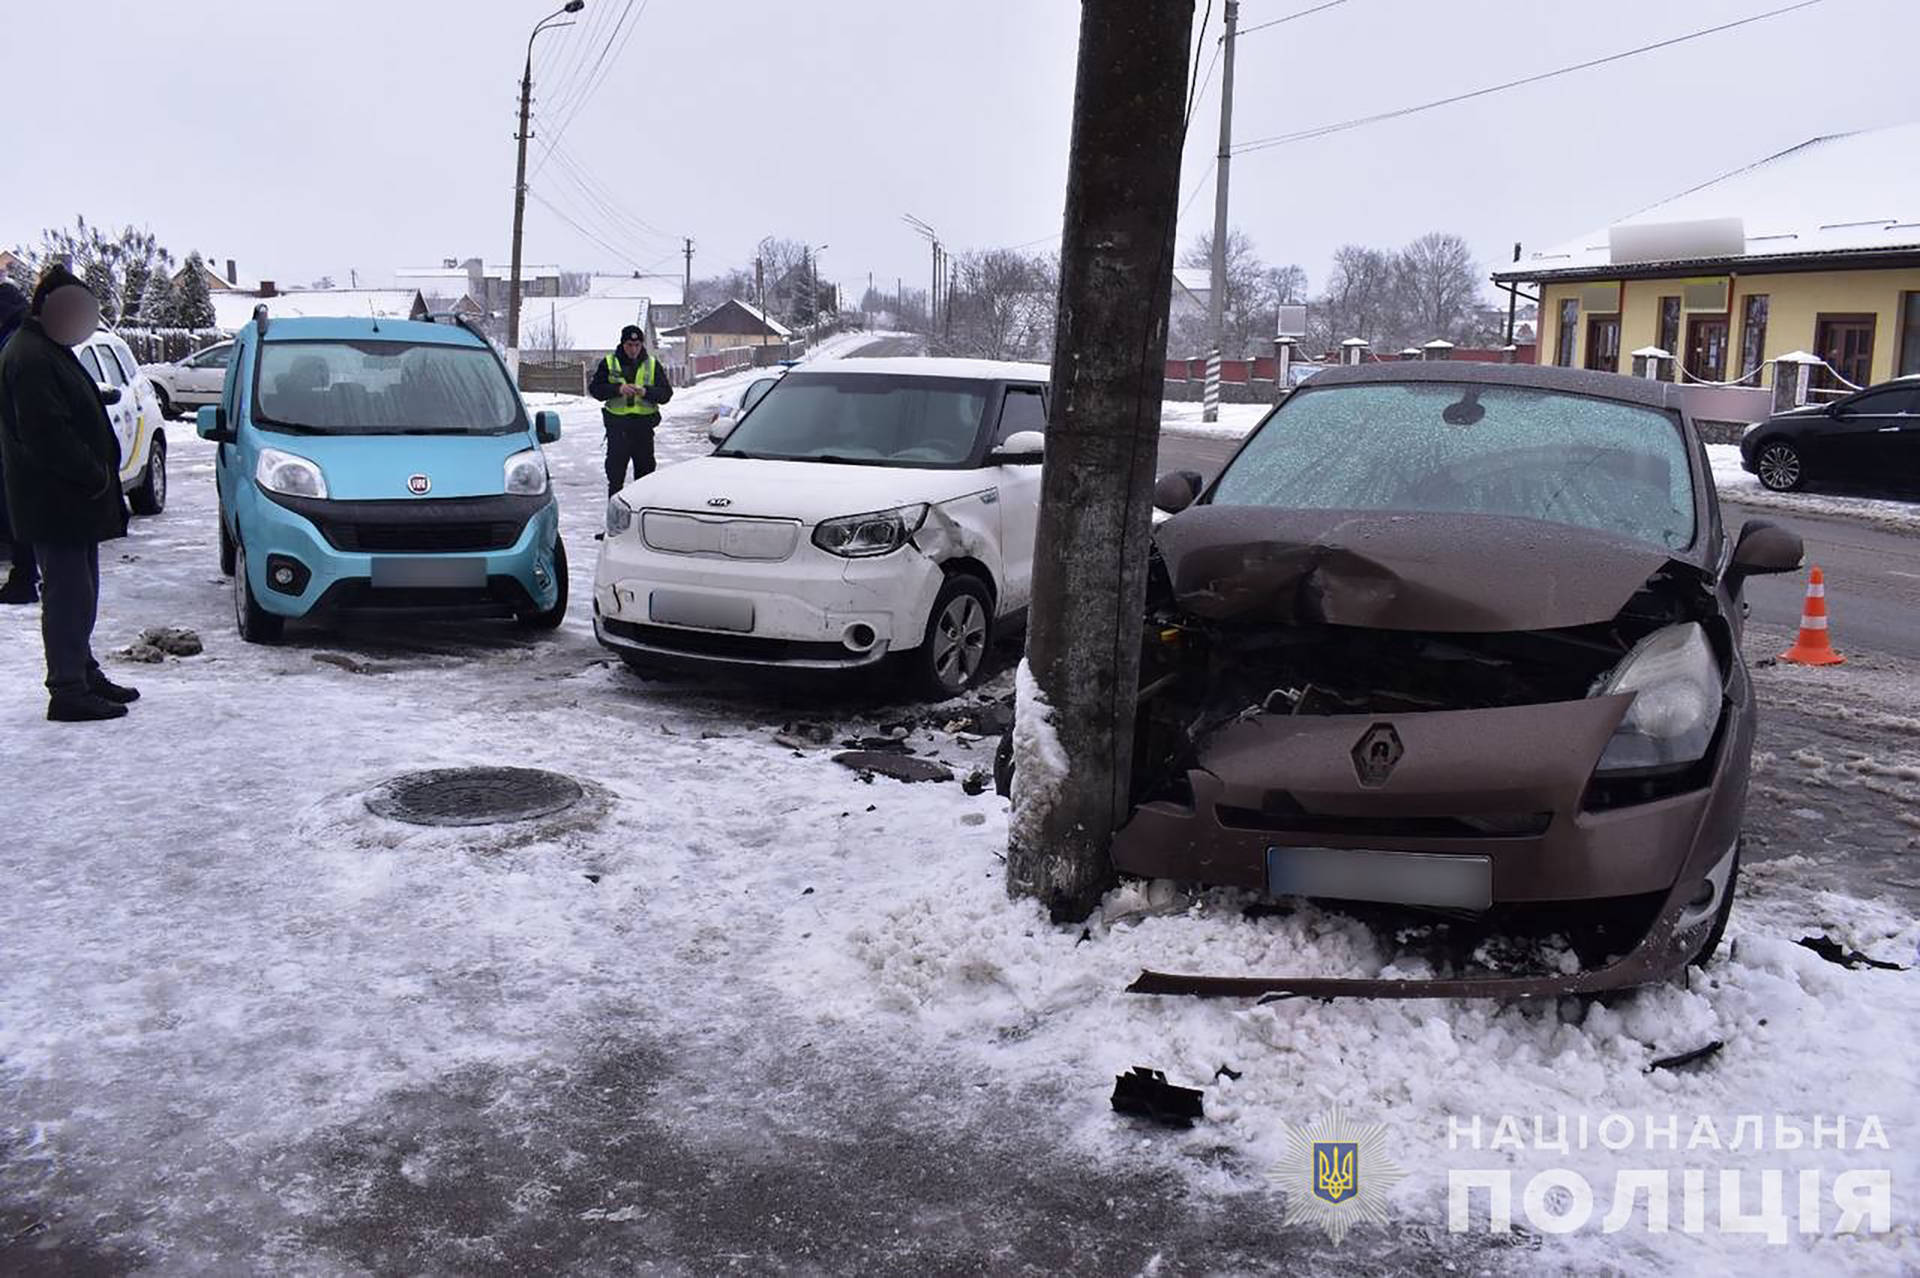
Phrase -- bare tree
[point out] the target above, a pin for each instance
(1248, 300)
(1003, 305)
(551, 333)
(1359, 301)
(1437, 290)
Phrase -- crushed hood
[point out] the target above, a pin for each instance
(1433, 572)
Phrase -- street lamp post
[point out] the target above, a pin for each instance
(813, 303)
(520, 178)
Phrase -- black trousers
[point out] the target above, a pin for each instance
(629, 443)
(21, 552)
(69, 604)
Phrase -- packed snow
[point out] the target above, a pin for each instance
(229, 985)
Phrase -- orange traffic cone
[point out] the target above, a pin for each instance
(1813, 648)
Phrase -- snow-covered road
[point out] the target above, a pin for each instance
(744, 1009)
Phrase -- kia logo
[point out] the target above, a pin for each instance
(719, 501)
(418, 485)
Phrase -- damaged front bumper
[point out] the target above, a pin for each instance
(1457, 810)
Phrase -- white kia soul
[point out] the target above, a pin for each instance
(860, 510)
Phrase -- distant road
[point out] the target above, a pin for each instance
(888, 347)
(1873, 573)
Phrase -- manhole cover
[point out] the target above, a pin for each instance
(474, 796)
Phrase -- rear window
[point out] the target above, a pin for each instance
(384, 388)
(864, 419)
(1462, 448)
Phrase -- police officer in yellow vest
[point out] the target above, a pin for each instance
(631, 386)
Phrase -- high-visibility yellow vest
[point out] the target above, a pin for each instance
(642, 377)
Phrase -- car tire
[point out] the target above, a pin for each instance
(1779, 466)
(228, 551)
(959, 632)
(1704, 955)
(255, 624)
(149, 496)
(551, 618)
(167, 412)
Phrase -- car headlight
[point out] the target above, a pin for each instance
(619, 517)
(1676, 703)
(864, 536)
(291, 476)
(526, 473)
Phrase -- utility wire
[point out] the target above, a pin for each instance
(594, 45)
(1274, 22)
(605, 67)
(635, 263)
(1282, 139)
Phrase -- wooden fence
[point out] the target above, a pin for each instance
(168, 345)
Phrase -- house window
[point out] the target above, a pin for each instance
(1910, 334)
(1603, 343)
(1668, 335)
(1569, 327)
(1846, 343)
(1753, 335)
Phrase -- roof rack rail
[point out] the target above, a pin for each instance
(461, 318)
(260, 318)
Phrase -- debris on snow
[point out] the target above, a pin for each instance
(1853, 960)
(1146, 1093)
(901, 767)
(975, 783)
(175, 641)
(803, 735)
(349, 664)
(1685, 1059)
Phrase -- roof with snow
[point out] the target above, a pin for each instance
(1848, 195)
(735, 316)
(585, 323)
(233, 310)
(1197, 280)
(661, 290)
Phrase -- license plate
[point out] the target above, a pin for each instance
(1394, 878)
(707, 612)
(392, 572)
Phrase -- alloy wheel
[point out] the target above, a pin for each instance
(1779, 467)
(960, 641)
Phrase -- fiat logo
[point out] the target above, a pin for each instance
(719, 501)
(418, 485)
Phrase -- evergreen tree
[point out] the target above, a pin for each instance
(98, 274)
(195, 305)
(158, 306)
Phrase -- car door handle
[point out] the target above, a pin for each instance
(1888, 430)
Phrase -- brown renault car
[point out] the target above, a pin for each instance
(1459, 644)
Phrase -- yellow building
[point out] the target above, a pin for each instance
(732, 324)
(1814, 249)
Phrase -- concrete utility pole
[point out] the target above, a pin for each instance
(520, 179)
(1217, 294)
(1109, 370)
(687, 290)
(760, 283)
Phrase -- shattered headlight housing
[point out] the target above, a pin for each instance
(1676, 704)
(864, 536)
(619, 516)
(288, 475)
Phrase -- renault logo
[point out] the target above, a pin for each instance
(719, 501)
(1376, 754)
(418, 485)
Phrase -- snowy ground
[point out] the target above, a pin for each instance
(746, 1010)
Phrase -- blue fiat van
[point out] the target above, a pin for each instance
(381, 466)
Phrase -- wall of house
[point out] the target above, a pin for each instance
(1795, 303)
(702, 343)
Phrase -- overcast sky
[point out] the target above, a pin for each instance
(314, 137)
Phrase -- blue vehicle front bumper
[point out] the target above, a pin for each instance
(445, 555)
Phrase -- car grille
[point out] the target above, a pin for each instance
(421, 537)
(731, 647)
(766, 540)
(1286, 819)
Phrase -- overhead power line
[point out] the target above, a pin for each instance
(1274, 22)
(1303, 135)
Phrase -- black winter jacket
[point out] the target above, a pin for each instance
(62, 460)
(605, 388)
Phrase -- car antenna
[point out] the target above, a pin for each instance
(375, 314)
(260, 317)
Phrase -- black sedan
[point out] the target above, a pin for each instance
(1870, 437)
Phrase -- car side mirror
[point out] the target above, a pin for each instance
(1176, 490)
(1765, 548)
(721, 428)
(546, 426)
(109, 395)
(1022, 448)
(211, 423)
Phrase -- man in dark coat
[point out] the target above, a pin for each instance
(631, 386)
(23, 577)
(62, 465)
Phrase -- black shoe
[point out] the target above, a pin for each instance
(81, 707)
(106, 689)
(19, 590)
